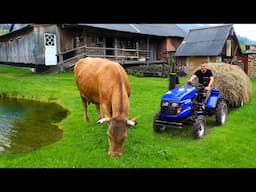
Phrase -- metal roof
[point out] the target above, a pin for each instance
(19, 26)
(163, 30)
(204, 41)
(250, 52)
(116, 27)
(16, 27)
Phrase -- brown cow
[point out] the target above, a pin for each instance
(105, 84)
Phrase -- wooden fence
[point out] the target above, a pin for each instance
(121, 55)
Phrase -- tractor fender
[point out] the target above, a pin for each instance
(213, 99)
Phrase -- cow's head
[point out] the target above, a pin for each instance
(117, 133)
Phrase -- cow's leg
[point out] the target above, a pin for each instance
(106, 110)
(85, 104)
(98, 111)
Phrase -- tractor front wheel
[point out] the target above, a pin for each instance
(199, 126)
(158, 128)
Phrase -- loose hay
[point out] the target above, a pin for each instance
(234, 85)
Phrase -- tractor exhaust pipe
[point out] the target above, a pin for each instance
(173, 80)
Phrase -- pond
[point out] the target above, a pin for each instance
(27, 125)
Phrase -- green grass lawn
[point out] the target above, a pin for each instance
(85, 145)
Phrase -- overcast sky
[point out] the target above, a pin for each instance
(245, 30)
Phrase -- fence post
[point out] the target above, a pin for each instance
(137, 50)
(61, 67)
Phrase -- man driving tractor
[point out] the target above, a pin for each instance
(205, 77)
(201, 74)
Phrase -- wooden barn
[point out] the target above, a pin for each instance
(59, 46)
(211, 44)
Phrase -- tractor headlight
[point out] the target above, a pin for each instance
(165, 103)
(171, 108)
(177, 107)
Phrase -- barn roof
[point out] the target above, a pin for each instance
(205, 41)
(164, 30)
(17, 27)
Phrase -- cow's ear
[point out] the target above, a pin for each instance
(132, 122)
(107, 119)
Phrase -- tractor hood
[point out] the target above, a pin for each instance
(180, 93)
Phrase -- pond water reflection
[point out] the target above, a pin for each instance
(26, 125)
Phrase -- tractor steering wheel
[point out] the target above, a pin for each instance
(196, 85)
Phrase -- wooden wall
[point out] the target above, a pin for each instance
(188, 64)
(25, 46)
(18, 48)
(194, 62)
(167, 45)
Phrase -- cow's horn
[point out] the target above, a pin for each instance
(103, 120)
(132, 122)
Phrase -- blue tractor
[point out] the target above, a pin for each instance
(190, 103)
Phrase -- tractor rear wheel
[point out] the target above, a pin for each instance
(221, 112)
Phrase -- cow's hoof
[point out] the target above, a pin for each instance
(114, 154)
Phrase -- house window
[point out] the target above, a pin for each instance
(130, 44)
(218, 59)
(100, 40)
(49, 39)
(228, 49)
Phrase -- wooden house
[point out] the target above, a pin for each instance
(59, 46)
(211, 44)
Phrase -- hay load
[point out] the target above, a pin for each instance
(234, 85)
